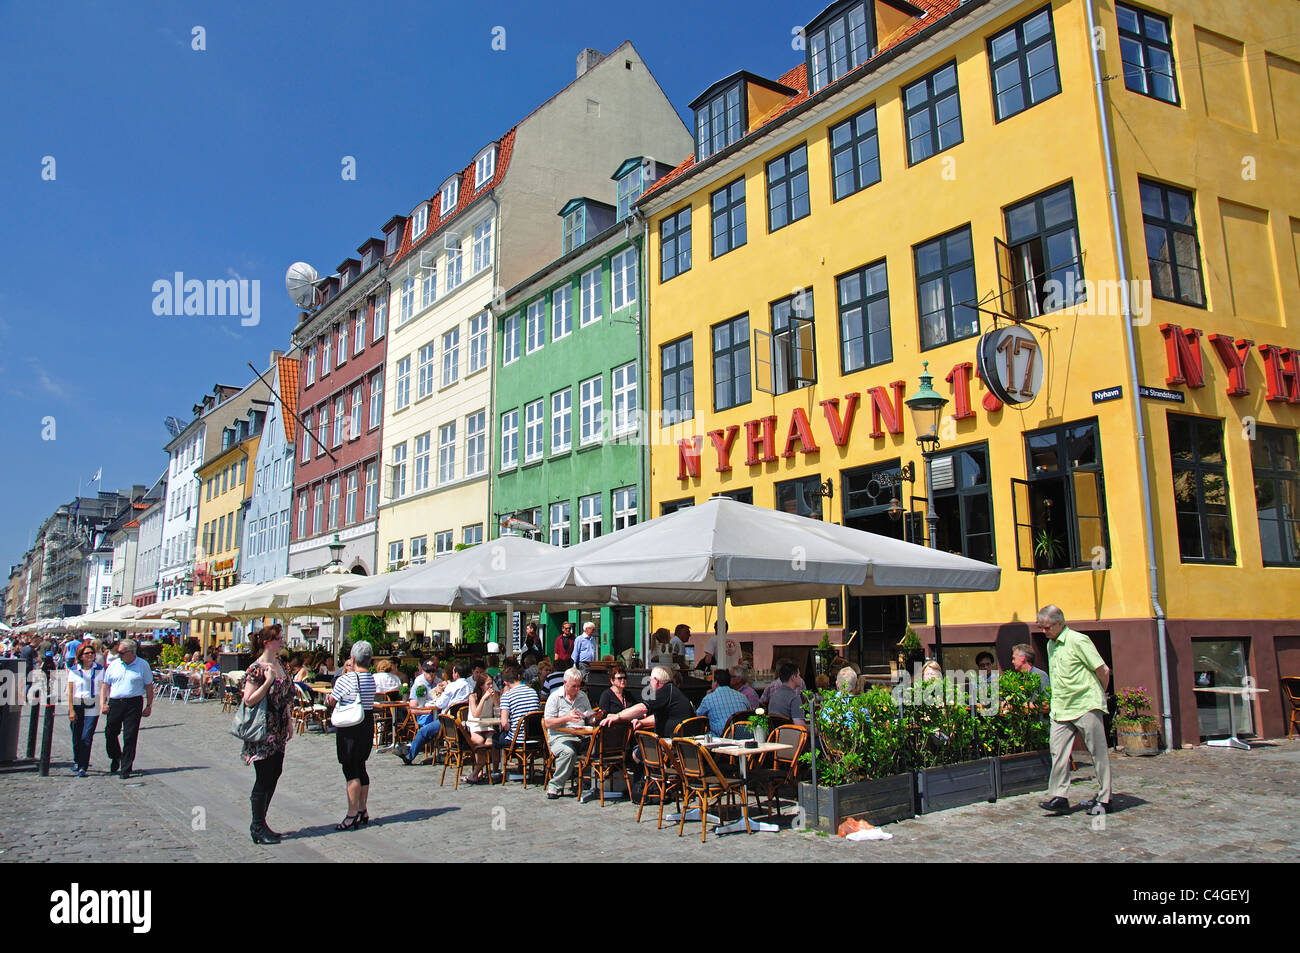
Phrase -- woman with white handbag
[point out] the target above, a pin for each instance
(353, 704)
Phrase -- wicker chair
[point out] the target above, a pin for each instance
(575, 777)
(527, 744)
(460, 749)
(690, 727)
(403, 726)
(785, 766)
(1291, 686)
(660, 773)
(606, 755)
(705, 783)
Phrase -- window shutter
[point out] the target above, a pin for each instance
(763, 352)
(1021, 494)
(1090, 516)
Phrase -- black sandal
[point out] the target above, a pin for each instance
(349, 822)
(363, 818)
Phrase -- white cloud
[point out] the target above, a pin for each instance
(49, 384)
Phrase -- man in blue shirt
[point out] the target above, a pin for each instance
(127, 684)
(722, 702)
(585, 649)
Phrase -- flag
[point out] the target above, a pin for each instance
(98, 473)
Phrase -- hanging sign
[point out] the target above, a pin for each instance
(1010, 363)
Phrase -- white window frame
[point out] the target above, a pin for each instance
(449, 196)
(625, 398)
(343, 342)
(478, 342)
(624, 507)
(447, 453)
(397, 471)
(623, 278)
(455, 266)
(481, 247)
(510, 339)
(306, 437)
(407, 310)
(559, 523)
(562, 420)
(376, 399)
(420, 472)
(311, 365)
(358, 405)
(424, 372)
(590, 520)
(326, 346)
(371, 501)
(443, 542)
(591, 408)
(334, 504)
(419, 550)
(476, 444)
(534, 325)
(562, 311)
(592, 307)
(451, 356)
(381, 317)
(322, 428)
(359, 338)
(402, 395)
(429, 286)
(390, 240)
(340, 412)
(350, 499)
(534, 430)
(485, 167)
(510, 439)
(396, 552)
(419, 221)
(472, 535)
(302, 515)
(317, 510)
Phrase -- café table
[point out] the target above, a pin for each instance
(1232, 741)
(744, 753)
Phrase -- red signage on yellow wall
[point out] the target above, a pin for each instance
(1183, 357)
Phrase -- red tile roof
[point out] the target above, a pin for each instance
(505, 147)
(289, 396)
(797, 79)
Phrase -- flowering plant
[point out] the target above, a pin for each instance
(1133, 706)
(758, 720)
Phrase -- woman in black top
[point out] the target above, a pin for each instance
(615, 698)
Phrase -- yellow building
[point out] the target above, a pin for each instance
(225, 488)
(942, 187)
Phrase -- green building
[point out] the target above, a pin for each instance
(570, 447)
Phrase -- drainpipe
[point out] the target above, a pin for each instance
(1136, 398)
(489, 425)
(643, 356)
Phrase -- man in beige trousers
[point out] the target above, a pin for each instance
(1079, 680)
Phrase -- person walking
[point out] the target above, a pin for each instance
(1079, 680)
(125, 697)
(85, 678)
(353, 743)
(267, 679)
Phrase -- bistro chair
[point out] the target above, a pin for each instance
(181, 686)
(660, 773)
(690, 727)
(403, 726)
(575, 777)
(705, 783)
(459, 711)
(1291, 686)
(607, 756)
(312, 711)
(526, 746)
(785, 766)
(230, 693)
(739, 721)
(460, 749)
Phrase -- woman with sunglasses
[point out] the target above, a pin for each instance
(85, 678)
(266, 678)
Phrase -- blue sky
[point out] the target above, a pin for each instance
(226, 162)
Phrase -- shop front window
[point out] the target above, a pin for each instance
(1222, 663)
(802, 497)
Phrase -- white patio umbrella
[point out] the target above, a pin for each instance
(722, 549)
(452, 582)
(211, 606)
(315, 595)
(256, 601)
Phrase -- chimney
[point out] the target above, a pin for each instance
(587, 59)
(275, 356)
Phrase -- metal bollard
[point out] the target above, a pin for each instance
(47, 741)
(31, 731)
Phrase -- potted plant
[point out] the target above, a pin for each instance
(910, 650)
(1136, 727)
(823, 655)
(861, 764)
(1048, 548)
(758, 723)
(946, 746)
(1020, 731)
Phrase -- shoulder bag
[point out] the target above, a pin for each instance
(347, 715)
(249, 723)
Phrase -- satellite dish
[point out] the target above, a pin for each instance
(299, 281)
(174, 426)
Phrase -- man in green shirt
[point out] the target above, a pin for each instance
(1079, 680)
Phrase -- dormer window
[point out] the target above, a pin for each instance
(631, 183)
(419, 221)
(390, 241)
(839, 40)
(575, 227)
(485, 166)
(719, 119)
(343, 279)
(367, 258)
(449, 195)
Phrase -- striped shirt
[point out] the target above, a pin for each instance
(349, 684)
(518, 701)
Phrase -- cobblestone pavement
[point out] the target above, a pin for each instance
(190, 803)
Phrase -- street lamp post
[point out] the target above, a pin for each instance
(927, 406)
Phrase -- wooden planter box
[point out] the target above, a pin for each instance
(955, 785)
(880, 802)
(1023, 773)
